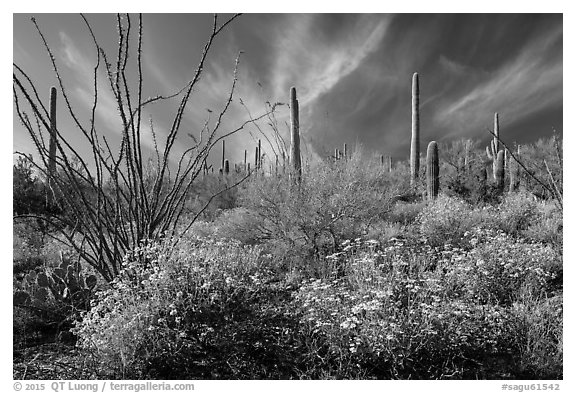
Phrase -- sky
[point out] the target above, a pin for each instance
(352, 72)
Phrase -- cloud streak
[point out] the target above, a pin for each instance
(529, 83)
(314, 65)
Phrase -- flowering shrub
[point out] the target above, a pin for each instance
(516, 213)
(162, 305)
(428, 314)
(500, 268)
(445, 220)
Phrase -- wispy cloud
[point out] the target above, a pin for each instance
(526, 84)
(82, 67)
(316, 66)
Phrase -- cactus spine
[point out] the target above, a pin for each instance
(500, 170)
(295, 136)
(415, 143)
(432, 170)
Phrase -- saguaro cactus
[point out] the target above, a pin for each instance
(259, 154)
(467, 155)
(432, 170)
(223, 154)
(245, 160)
(494, 147)
(226, 167)
(500, 170)
(345, 151)
(256, 161)
(415, 143)
(295, 136)
(389, 163)
(514, 170)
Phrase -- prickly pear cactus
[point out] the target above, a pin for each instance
(66, 286)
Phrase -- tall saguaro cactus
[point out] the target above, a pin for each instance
(256, 155)
(259, 154)
(52, 145)
(415, 142)
(514, 172)
(245, 160)
(432, 170)
(494, 147)
(295, 136)
(500, 170)
(223, 153)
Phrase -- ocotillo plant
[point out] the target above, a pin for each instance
(52, 146)
(500, 170)
(432, 170)
(415, 142)
(494, 147)
(295, 136)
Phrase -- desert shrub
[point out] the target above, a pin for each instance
(547, 227)
(335, 201)
(392, 317)
(383, 231)
(516, 212)
(445, 220)
(187, 311)
(395, 321)
(405, 213)
(539, 330)
(500, 269)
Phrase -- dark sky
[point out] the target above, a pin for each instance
(353, 74)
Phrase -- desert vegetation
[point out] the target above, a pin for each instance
(352, 266)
